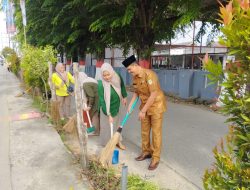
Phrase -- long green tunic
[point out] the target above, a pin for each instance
(114, 98)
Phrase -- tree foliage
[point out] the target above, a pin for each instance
(60, 23)
(232, 167)
(91, 25)
(139, 24)
(34, 65)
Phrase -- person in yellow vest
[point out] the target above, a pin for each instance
(153, 105)
(62, 79)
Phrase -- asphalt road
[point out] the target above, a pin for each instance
(189, 135)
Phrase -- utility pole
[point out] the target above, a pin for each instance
(192, 67)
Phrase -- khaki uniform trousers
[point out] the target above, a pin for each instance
(153, 122)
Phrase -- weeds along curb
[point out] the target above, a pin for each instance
(106, 178)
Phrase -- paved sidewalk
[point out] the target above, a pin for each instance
(39, 160)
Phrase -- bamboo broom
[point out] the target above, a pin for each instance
(54, 111)
(70, 126)
(108, 150)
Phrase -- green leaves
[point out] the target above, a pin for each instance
(34, 64)
(231, 169)
(135, 182)
(11, 57)
(215, 71)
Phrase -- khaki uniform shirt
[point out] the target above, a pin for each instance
(145, 83)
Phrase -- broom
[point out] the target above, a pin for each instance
(91, 128)
(55, 116)
(70, 126)
(108, 150)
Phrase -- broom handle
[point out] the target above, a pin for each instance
(88, 116)
(127, 114)
(111, 129)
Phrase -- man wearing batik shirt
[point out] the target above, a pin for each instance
(153, 105)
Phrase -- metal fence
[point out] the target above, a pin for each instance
(182, 83)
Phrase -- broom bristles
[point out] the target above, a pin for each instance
(108, 150)
(70, 126)
(55, 116)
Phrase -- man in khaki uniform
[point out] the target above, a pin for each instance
(153, 105)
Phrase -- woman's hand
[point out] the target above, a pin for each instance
(124, 101)
(111, 120)
(87, 108)
(142, 115)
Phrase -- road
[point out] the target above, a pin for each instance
(189, 135)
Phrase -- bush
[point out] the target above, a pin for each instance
(34, 64)
(11, 57)
(231, 170)
(108, 179)
(14, 63)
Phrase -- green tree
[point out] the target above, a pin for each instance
(60, 23)
(139, 24)
(232, 167)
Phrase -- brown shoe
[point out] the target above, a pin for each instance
(121, 146)
(143, 157)
(153, 165)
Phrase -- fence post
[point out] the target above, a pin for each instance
(51, 85)
(54, 111)
(81, 128)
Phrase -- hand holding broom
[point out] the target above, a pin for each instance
(91, 128)
(108, 150)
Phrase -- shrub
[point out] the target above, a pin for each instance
(231, 170)
(34, 64)
(11, 57)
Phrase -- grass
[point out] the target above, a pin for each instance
(108, 179)
(102, 178)
(39, 103)
(62, 135)
(135, 182)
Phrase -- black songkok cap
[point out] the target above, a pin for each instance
(129, 61)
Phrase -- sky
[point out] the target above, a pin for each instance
(3, 35)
